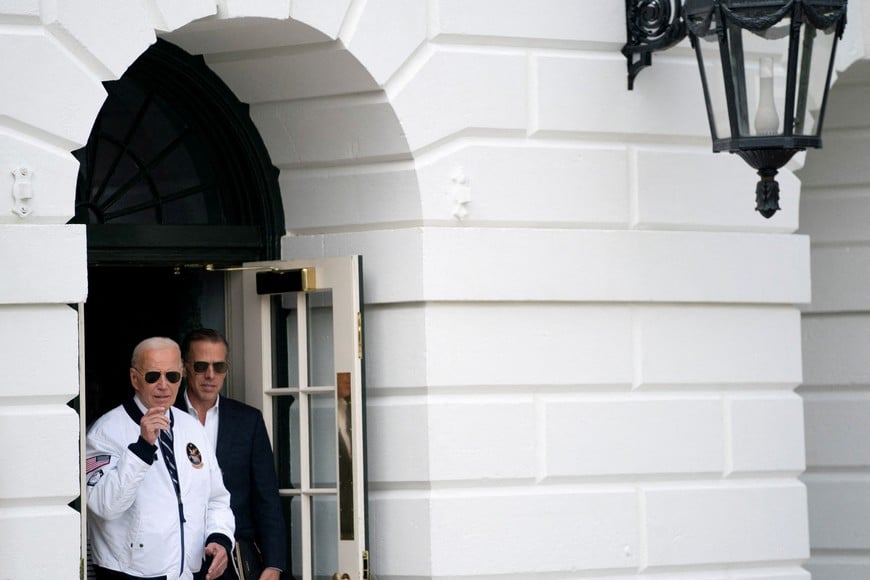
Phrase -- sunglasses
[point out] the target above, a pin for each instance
(219, 367)
(152, 377)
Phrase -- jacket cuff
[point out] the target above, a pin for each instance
(143, 450)
(223, 541)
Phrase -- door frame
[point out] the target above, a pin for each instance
(342, 277)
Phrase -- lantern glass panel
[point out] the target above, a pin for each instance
(740, 107)
(814, 56)
(707, 51)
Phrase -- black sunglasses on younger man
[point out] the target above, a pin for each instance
(219, 367)
(152, 377)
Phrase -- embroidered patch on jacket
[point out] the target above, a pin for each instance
(96, 462)
(93, 465)
(194, 456)
(94, 477)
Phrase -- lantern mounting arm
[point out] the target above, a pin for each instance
(651, 25)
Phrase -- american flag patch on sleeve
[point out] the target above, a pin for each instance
(96, 462)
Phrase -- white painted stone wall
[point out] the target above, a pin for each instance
(836, 328)
(42, 271)
(582, 341)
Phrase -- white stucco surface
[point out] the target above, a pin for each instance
(582, 342)
(43, 264)
(835, 337)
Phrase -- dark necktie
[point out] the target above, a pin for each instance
(169, 457)
(165, 441)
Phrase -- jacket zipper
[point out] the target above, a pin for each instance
(181, 521)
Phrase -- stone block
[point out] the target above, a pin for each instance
(387, 33)
(42, 442)
(491, 532)
(693, 525)
(26, 533)
(452, 93)
(715, 345)
(43, 264)
(31, 335)
(597, 435)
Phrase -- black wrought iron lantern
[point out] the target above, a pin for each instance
(765, 69)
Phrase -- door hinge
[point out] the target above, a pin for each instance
(359, 336)
(366, 571)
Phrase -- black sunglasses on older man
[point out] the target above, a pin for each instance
(152, 377)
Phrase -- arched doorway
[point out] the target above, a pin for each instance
(174, 180)
(170, 193)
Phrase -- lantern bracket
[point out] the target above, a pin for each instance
(651, 25)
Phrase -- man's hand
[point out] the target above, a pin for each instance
(270, 574)
(154, 421)
(219, 561)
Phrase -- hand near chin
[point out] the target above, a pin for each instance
(152, 422)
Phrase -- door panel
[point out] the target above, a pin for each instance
(302, 331)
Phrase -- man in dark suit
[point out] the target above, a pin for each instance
(244, 454)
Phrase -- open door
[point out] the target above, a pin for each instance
(301, 330)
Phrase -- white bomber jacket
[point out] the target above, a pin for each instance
(134, 522)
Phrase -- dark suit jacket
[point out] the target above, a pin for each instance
(246, 460)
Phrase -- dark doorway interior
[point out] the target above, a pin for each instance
(128, 304)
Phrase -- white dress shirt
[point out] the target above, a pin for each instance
(211, 419)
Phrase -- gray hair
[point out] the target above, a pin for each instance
(153, 343)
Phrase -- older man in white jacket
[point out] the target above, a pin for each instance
(157, 505)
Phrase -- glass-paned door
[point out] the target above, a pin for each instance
(303, 345)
